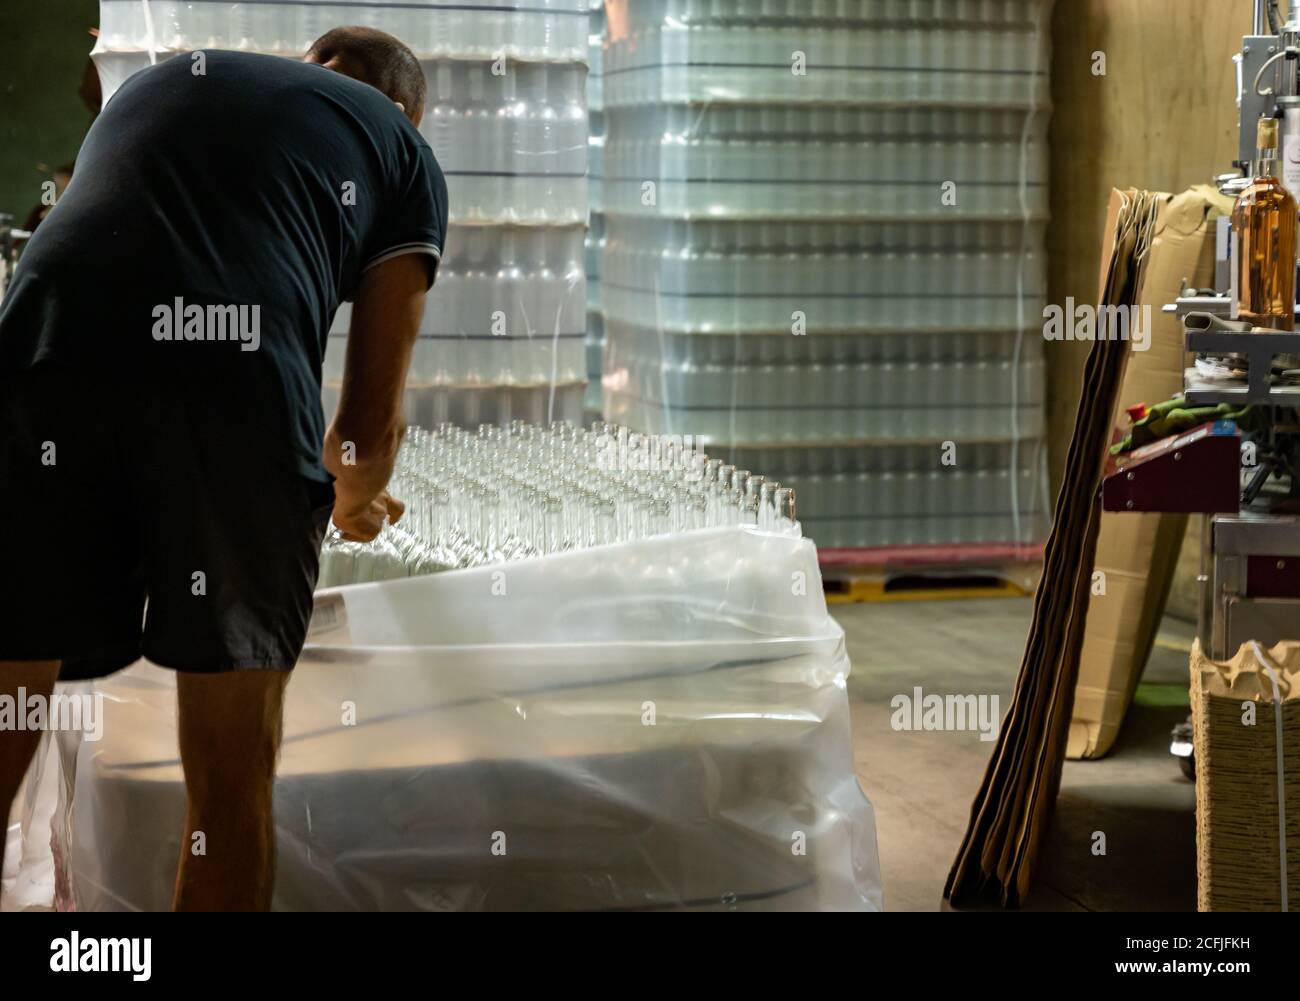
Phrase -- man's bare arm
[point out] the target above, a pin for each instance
(361, 444)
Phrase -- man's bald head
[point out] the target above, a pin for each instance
(377, 58)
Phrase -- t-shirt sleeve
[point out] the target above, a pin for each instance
(414, 219)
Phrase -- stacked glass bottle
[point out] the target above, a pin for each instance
(504, 329)
(505, 494)
(824, 246)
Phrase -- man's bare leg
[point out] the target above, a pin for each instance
(229, 740)
(37, 677)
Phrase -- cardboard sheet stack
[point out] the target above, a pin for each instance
(1010, 814)
(660, 724)
(504, 329)
(824, 252)
(1137, 553)
(1246, 733)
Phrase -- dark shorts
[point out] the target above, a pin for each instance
(145, 521)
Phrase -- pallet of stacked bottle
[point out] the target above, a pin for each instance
(503, 333)
(504, 329)
(596, 220)
(932, 368)
(712, 283)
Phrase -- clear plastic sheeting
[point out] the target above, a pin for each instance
(661, 724)
(28, 880)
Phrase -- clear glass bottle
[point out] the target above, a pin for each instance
(1264, 242)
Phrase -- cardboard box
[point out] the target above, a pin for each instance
(1137, 553)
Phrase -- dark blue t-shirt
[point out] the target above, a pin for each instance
(222, 206)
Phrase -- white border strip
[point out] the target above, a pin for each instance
(404, 248)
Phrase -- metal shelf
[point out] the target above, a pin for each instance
(1259, 350)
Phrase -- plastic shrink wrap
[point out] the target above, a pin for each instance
(655, 724)
(822, 252)
(596, 218)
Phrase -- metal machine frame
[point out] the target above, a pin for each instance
(1250, 559)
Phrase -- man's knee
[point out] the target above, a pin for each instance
(229, 727)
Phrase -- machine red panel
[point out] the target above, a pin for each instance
(1198, 471)
(1273, 576)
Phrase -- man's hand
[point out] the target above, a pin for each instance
(360, 519)
(361, 502)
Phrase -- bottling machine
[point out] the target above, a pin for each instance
(1242, 478)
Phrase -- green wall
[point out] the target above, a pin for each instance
(43, 49)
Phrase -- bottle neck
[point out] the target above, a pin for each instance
(1266, 163)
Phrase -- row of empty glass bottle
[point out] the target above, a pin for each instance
(505, 281)
(468, 29)
(833, 371)
(512, 493)
(913, 494)
(945, 402)
(786, 267)
(959, 65)
(827, 426)
(759, 161)
(696, 351)
(838, 13)
(951, 509)
(787, 274)
(482, 380)
(511, 138)
(499, 403)
(734, 310)
(688, 275)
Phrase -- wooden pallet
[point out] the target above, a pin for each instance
(909, 585)
(930, 573)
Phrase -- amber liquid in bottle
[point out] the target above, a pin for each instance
(1264, 243)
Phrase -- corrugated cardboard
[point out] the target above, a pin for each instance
(1137, 552)
(1240, 737)
(1010, 815)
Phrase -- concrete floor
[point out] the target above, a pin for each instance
(922, 783)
